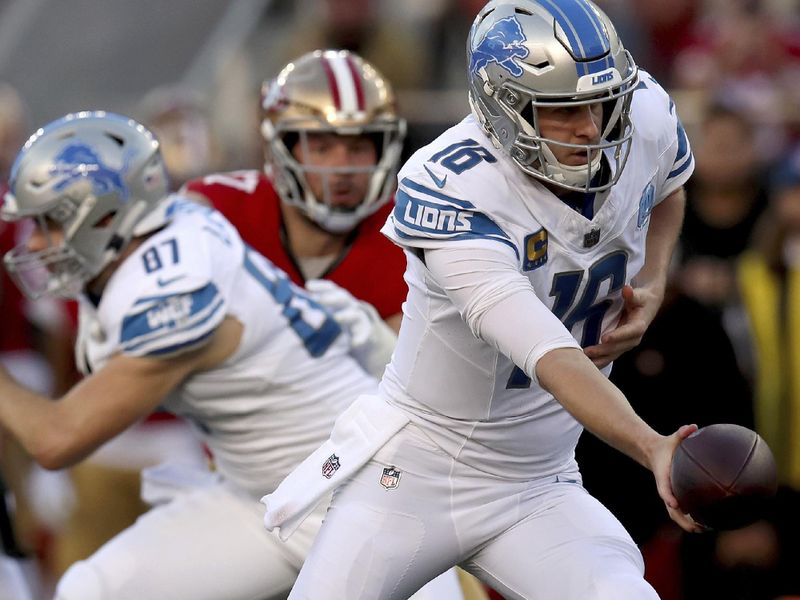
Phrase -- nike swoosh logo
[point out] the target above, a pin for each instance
(166, 282)
(439, 182)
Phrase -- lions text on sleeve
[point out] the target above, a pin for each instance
(473, 400)
(269, 405)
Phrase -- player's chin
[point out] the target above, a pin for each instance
(346, 201)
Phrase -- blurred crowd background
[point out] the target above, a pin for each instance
(725, 348)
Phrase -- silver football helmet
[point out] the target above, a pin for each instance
(528, 54)
(338, 92)
(98, 179)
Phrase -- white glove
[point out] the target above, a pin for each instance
(371, 339)
(51, 496)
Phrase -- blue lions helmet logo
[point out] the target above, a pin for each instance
(502, 44)
(79, 161)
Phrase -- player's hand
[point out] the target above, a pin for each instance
(356, 317)
(371, 339)
(661, 465)
(639, 310)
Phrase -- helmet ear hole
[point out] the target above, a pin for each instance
(105, 220)
(290, 139)
(119, 141)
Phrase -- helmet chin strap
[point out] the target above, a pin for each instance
(325, 218)
(567, 174)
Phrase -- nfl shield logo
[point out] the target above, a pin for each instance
(330, 466)
(390, 478)
(591, 238)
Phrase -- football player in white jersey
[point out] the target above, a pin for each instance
(176, 311)
(537, 233)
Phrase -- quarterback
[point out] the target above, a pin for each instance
(537, 233)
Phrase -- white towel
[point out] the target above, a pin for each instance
(359, 432)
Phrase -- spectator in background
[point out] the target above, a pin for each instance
(179, 119)
(769, 279)
(760, 561)
(446, 42)
(752, 59)
(654, 376)
(358, 26)
(655, 35)
(724, 199)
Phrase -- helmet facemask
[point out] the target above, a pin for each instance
(292, 177)
(54, 270)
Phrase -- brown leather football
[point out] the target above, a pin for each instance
(723, 475)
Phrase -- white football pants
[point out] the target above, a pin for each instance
(205, 544)
(541, 540)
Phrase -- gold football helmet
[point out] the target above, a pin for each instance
(338, 92)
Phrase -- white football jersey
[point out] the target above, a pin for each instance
(275, 399)
(471, 399)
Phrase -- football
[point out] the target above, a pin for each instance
(723, 475)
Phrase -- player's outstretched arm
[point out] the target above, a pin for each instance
(644, 297)
(602, 408)
(59, 433)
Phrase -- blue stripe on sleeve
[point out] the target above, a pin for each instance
(181, 346)
(674, 173)
(413, 185)
(162, 342)
(171, 316)
(683, 157)
(683, 143)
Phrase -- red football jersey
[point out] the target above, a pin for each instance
(15, 334)
(371, 268)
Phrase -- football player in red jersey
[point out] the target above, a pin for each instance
(333, 141)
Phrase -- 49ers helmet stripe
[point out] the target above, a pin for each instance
(346, 90)
(356, 81)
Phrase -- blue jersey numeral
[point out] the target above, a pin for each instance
(152, 258)
(611, 268)
(462, 156)
(312, 323)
